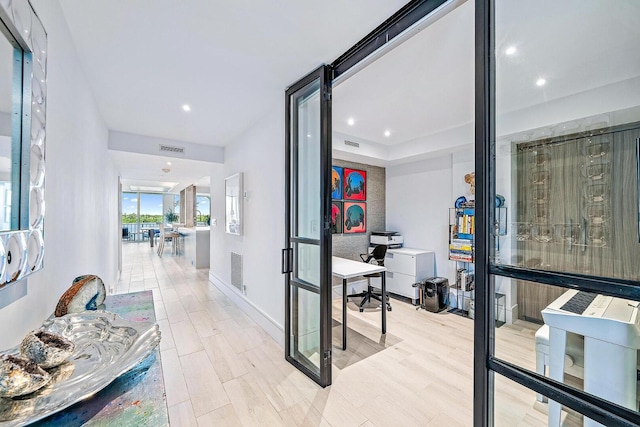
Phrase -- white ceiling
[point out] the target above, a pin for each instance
(232, 60)
(146, 170)
(425, 87)
(229, 60)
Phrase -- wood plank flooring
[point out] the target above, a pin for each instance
(221, 369)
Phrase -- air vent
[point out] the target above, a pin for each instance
(236, 271)
(351, 143)
(171, 149)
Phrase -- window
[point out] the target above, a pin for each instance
(203, 209)
(140, 210)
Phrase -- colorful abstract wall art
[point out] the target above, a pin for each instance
(336, 217)
(336, 182)
(355, 184)
(355, 214)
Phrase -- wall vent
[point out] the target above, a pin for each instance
(171, 149)
(236, 271)
(351, 143)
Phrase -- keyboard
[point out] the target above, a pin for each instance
(579, 302)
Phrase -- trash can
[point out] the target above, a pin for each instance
(435, 294)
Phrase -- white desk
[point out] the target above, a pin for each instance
(611, 330)
(346, 269)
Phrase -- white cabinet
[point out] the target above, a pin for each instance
(196, 245)
(406, 266)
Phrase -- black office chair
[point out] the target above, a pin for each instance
(378, 254)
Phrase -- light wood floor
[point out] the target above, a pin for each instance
(221, 369)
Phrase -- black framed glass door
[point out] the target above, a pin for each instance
(306, 258)
(556, 135)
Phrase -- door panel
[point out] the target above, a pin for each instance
(307, 254)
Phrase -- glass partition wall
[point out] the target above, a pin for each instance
(558, 136)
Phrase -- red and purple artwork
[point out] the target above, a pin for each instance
(355, 184)
(355, 214)
(336, 217)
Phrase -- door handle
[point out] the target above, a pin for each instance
(287, 254)
(285, 257)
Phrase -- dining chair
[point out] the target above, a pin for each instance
(173, 236)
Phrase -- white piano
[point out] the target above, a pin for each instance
(611, 330)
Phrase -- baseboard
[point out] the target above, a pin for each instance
(266, 322)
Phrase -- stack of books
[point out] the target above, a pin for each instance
(465, 224)
(461, 250)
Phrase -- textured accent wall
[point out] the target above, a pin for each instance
(351, 245)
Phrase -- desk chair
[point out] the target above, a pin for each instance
(378, 255)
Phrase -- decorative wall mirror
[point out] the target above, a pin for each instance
(23, 64)
(233, 204)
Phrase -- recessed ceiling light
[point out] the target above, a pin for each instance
(186, 107)
(308, 135)
(540, 82)
(510, 50)
(387, 133)
(350, 122)
(169, 163)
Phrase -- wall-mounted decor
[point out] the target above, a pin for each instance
(355, 184)
(233, 204)
(336, 182)
(336, 217)
(23, 47)
(355, 214)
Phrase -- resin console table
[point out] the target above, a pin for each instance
(136, 398)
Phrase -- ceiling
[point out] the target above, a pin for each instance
(146, 170)
(232, 60)
(425, 87)
(229, 60)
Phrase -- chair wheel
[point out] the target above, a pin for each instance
(389, 308)
(361, 310)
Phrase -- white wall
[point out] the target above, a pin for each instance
(81, 233)
(259, 154)
(133, 143)
(419, 196)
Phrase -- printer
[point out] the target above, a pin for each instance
(391, 239)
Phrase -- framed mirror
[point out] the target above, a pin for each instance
(23, 58)
(233, 204)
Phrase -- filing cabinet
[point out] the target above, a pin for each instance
(406, 266)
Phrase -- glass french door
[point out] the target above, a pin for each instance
(557, 135)
(306, 258)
